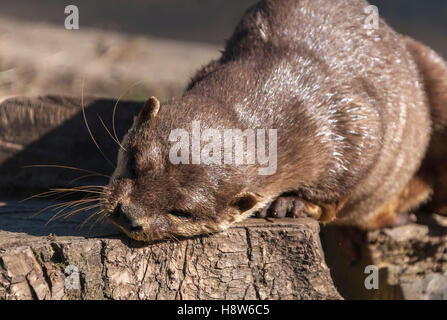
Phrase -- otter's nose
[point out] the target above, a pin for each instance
(126, 218)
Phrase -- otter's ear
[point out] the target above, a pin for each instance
(244, 201)
(148, 111)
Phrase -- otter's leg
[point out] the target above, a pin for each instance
(398, 211)
(295, 207)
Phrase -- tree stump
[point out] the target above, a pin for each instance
(253, 260)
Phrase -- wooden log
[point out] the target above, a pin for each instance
(253, 260)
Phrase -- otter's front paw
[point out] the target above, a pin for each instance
(291, 206)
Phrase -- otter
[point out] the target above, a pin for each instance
(360, 116)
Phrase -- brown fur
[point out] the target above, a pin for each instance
(415, 193)
(433, 73)
(353, 109)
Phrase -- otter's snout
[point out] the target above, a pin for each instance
(127, 217)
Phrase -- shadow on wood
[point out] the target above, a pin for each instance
(51, 130)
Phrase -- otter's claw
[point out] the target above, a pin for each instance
(290, 206)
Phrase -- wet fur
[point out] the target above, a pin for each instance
(353, 109)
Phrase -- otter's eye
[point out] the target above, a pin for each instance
(180, 214)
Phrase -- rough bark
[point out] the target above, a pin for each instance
(254, 260)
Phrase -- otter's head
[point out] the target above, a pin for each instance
(150, 198)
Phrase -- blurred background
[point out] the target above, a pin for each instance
(152, 46)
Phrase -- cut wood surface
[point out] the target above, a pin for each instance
(254, 260)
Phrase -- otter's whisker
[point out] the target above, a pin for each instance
(90, 187)
(40, 195)
(46, 208)
(76, 189)
(89, 131)
(56, 206)
(53, 192)
(47, 194)
(71, 213)
(107, 129)
(80, 178)
(115, 107)
(84, 189)
(66, 167)
(61, 193)
(75, 203)
(96, 213)
(62, 207)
